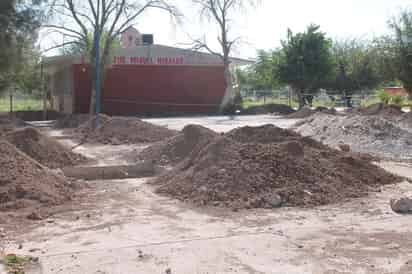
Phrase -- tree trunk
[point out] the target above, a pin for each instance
(228, 97)
(301, 99)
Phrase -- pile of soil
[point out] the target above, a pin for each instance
(279, 109)
(302, 113)
(25, 183)
(71, 121)
(406, 120)
(43, 149)
(122, 130)
(176, 148)
(380, 109)
(369, 134)
(8, 123)
(306, 112)
(239, 172)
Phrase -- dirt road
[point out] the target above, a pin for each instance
(121, 226)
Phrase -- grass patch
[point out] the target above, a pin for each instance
(21, 104)
(16, 264)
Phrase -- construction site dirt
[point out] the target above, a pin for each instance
(124, 226)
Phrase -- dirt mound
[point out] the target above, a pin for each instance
(302, 113)
(25, 183)
(269, 108)
(122, 130)
(8, 123)
(380, 109)
(292, 170)
(43, 149)
(370, 134)
(71, 121)
(176, 148)
(406, 120)
(262, 134)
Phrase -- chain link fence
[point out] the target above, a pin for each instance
(323, 98)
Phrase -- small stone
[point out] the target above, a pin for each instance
(401, 206)
(344, 147)
(168, 271)
(300, 246)
(34, 216)
(88, 215)
(34, 250)
(20, 246)
(274, 201)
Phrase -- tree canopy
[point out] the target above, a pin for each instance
(307, 61)
(19, 21)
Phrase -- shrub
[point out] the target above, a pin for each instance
(384, 96)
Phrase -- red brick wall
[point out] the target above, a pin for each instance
(133, 90)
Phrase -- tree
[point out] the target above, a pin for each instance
(220, 12)
(83, 19)
(355, 68)
(19, 22)
(307, 63)
(401, 48)
(79, 48)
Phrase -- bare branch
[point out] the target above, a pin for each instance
(62, 28)
(62, 45)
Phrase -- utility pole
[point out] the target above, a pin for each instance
(98, 80)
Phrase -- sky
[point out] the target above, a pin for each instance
(264, 26)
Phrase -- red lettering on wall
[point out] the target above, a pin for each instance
(140, 60)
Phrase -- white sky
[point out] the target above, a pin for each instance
(264, 26)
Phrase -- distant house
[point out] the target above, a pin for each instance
(396, 91)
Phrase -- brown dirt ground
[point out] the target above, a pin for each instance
(8, 123)
(246, 169)
(269, 108)
(71, 121)
(176, 148)
(25, 183)
(380, 109)
(302, 113)
(43, 149)
(122, 130)
(373, 134)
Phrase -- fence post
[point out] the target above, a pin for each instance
(11, 101)
(44, 92)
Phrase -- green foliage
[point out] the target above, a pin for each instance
(307, 63)
(87, 49)
(387, 98)
(399, 48)
(384, 97)
(398, 100)
(19, 21)
(355, 68)
(263, 74)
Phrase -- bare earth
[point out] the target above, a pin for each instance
(124, 227)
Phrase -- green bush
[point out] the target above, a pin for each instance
(388, 98)
(384, 96)
(398, 100)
